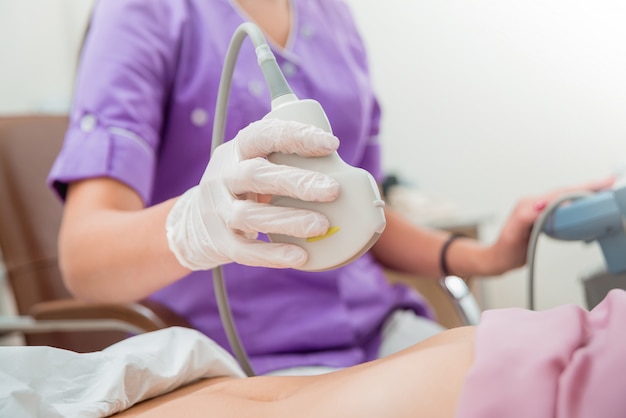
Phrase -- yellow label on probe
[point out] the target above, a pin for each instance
(331, 231)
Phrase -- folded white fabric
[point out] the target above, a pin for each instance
(50, 382)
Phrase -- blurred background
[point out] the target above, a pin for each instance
(484, 102)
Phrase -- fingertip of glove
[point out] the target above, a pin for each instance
(324, 189)
(333, 143)
(326, 182)
(328, 141)
(294, 256)
(325, 142)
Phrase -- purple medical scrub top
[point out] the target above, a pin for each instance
(143, 113)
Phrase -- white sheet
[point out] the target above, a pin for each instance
(50, 382)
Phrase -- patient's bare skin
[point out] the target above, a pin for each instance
(426, 378)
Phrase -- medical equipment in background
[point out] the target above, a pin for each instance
(585, 217)
(356, 217)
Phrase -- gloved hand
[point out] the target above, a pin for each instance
(218, 220)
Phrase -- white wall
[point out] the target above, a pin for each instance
(498, 100)
(494, 100)
(39, 41)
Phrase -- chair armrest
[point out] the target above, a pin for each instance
(450, 298)
(145, 315)
(462, 299)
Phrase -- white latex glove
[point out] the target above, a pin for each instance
(218, 221)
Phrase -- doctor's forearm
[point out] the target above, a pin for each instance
(118, 256)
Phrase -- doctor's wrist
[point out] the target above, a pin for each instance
(186, 235)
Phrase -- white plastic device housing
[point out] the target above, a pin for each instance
(356, 217)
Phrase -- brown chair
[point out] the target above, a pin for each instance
(30, 216)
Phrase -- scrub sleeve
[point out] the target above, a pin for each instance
(116, 120)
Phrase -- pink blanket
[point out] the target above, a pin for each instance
(565, 362)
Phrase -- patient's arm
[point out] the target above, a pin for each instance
(425, 379)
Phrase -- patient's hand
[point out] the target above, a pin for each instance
(509, 251)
